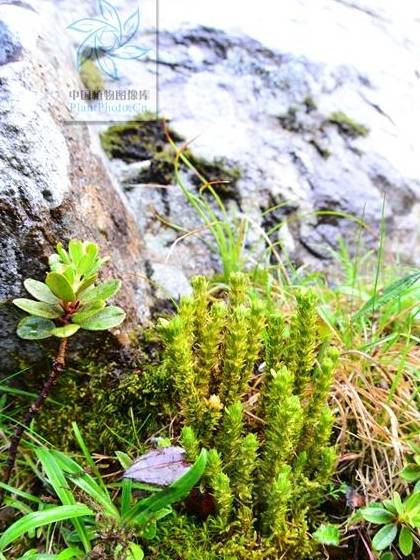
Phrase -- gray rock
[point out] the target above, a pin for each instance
(260, 93)
(53, 183)
(170, 281)
(10, 47)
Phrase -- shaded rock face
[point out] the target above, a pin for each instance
(318, 122)
(53, 182)
(304, 136)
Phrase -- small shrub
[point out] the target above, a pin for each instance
(67, 301)
(396, 517)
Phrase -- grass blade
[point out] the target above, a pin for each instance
(87, 455)
(86, 483)
(127, 485)
(59, 483)
(40, 518)
(20, 493)
(390, 293)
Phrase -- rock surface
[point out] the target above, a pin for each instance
(53, 182)
(314, 103)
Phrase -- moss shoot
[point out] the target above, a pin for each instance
(347, 125)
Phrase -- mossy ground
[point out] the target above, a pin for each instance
(119, 389)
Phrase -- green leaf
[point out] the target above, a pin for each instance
(125, 504)
(34, 328)
(405, 541)
(66, 331)
(89, 459)
(124, 459)
(396, 499)
(55, 263)
(411, 472)
(377, 515)
(134, 552)
(398, 503)
(387, 556)
(143, 511)
(392, 291)
(40, 291)
(328, 535)
(412, 503)
(59, 285)
(98, 264)
(149, 531)
(87, 311)
(63, 253)
(20, 493)
(384, 537)
(87, 262)
(102, 292)
(415, 520)
(107, 318)
(84, 481)
(69, 553)
(75, 250)
(40, 518)
(39, 308)
(390, 506)
(88, 281)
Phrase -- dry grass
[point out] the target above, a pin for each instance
(374, 430)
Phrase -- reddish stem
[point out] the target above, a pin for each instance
(56, 371)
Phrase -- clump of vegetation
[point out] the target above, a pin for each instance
(68, 301)
(397, 518)
(347, 125)
(310, 103)
(137, 140)
(254, 390)
(105, 525)
(91, 76)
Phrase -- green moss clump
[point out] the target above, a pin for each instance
(91, 76)
(161, 170)
(109, 401)
(347, 125)
(138, 140)
(223, 178)
(145, 139)
(186, 539)
(270, 455)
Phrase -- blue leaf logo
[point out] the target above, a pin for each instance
(131, 25)
(107, 38)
